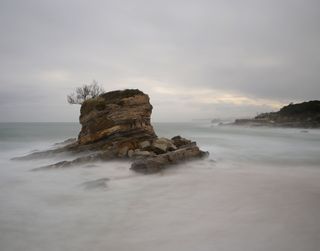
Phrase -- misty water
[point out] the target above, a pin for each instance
(258, 190)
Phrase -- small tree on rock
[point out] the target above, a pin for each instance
(85, 92)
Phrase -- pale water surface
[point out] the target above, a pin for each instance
(258, 190)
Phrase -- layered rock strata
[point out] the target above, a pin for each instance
(115, 115)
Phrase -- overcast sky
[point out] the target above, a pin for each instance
(196, 59)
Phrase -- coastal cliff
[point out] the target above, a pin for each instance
(301, 115)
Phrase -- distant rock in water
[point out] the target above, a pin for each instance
(96, 184)
(302, 115)
(116, 125)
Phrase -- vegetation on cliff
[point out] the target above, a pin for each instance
(305, 115)
(84, 93)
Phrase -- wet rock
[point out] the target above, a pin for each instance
(141, 153)
(41, 154)
(178, 141)
(147, 166)
(162, 145)
(159, 162)
(66, 142)
(105, 155)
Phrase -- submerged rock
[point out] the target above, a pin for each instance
(96, 184)
(116, 125)
(66, 142)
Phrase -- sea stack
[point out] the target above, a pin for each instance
(117, 125)
(116, 115)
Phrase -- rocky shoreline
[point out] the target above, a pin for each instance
(116, 125)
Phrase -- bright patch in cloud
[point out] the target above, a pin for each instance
(209, 96)
(55, 76)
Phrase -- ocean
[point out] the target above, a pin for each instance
(258, 190)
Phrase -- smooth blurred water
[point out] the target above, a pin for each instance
(225, 143)
(258, 190)
(15, 136)
(251, 145)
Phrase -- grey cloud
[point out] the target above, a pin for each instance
(261, 49)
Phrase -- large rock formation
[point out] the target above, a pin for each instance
(304, 115)
(118, 114)
(116, 125)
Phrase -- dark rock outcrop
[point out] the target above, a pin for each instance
(156, 163)
(116, 125)
(302, 115)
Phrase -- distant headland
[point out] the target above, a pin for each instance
(300, 115)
